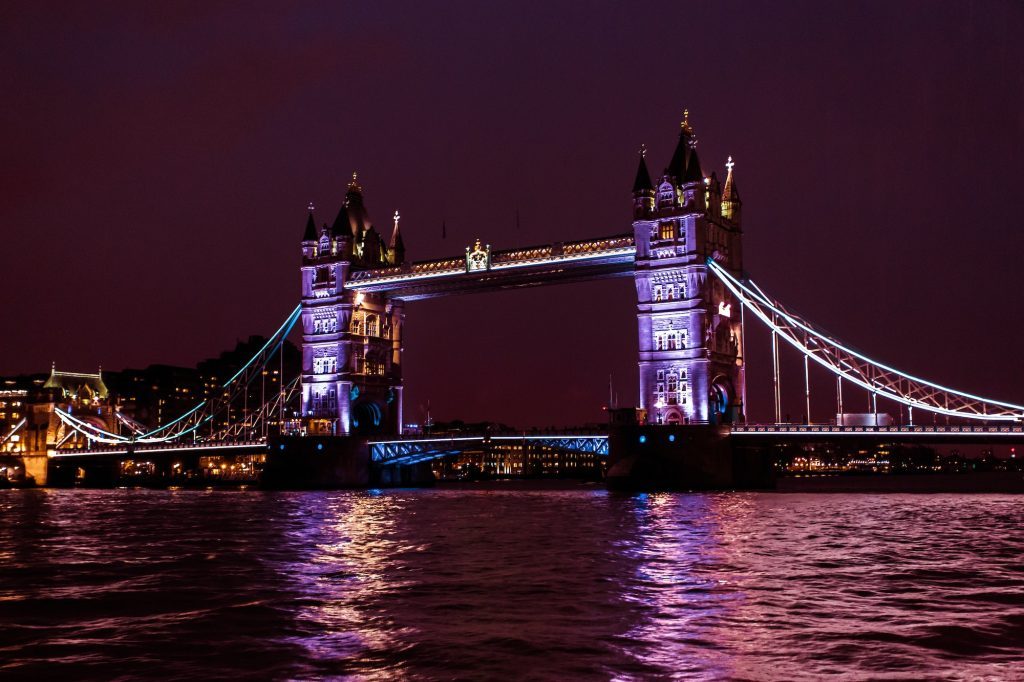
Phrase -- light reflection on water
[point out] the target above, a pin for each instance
(510, 583)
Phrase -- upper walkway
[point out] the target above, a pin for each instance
(481, 269)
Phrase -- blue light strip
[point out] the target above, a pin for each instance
(286, 328)
(172, 423)
(282, 331)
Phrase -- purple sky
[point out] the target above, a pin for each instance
(156, 164)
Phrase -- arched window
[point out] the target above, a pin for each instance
(371, 325)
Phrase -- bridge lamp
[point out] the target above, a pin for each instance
(643, 439)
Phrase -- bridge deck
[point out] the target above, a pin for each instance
(919, 434)
(415, 450)
(560, 262)
(213, 448)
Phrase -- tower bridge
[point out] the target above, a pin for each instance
(355, 287)
(684, 253)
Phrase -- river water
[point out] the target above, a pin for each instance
(509, 584)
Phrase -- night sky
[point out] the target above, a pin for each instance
(157, 160)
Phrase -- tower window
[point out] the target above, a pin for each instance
(667, 230)
(657, 292)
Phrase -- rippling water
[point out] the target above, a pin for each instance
(505, 584)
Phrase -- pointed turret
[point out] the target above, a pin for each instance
(684, 166)
(643, 188)
(397, 246)
(309, 237)
(642, 183)
(352, 218)
(310, 234)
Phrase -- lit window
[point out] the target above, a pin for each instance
(657, 292)
(667, 230)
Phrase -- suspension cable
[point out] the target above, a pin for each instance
(874, 376)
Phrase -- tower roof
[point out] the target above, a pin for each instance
(352, 217)
(310, 234)
(684, 166)
(643, 178)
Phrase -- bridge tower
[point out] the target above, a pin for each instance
(351, 342)
(691, 361)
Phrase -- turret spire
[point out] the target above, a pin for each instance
(310, 234)
(684, 166)
(642, 183)
(731, 192)
(397, 246)
(731, 204)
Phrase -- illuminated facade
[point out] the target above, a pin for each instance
(691, 363)
(351, 340)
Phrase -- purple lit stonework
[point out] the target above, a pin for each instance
(691, 360)
(351, 340)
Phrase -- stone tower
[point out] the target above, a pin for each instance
(351, 342)
(691, 363)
